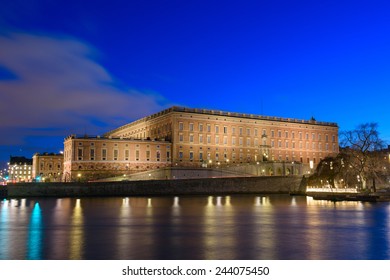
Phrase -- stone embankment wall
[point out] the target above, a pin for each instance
(210, 186)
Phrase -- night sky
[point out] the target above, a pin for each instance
(76, 67)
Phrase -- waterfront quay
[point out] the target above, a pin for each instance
(202, 186)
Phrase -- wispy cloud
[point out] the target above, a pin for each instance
(58, 87)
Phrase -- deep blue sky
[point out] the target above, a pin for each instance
(89, 66)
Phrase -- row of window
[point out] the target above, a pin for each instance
(49, 166)
(241, 130)
(137, 155)
(287, 145)
(241, 157)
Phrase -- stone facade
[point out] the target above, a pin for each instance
(216, 138)
(91, 158)
(48, 167)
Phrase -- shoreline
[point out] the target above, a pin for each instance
(202, 186)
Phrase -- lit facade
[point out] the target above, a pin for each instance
(91, 158)
(208, 137)
(19, 169)
(47, 167)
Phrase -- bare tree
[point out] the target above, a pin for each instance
(361, 152)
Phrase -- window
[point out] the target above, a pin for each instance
(208, 139)
(326, 138)
(92, 154)
(240, 131)
(225, 140)
(191, 127)
(256, 132)
(181, 126)
(334, 138)
(233, 140)
(191, 138)
(248, 142)
(248, 132)
(158, 155)
(233, 130)
(181, 137)
(115, 154)
(104, 154)
(200, 139)
(286, 144)
(127, 154)
(273, 143)
(181, 155)
(216, 140)
(80, 153)
(201, 156)
(201, 127)
(208, 128)
(286, 134)
(216, 129)
(300, 135)
(147, 155)
(293, 135)
(241, 141)
(168, 156)
(279, 134)
(225, 130)
(191, 156)
(137, 155)
(272, 133)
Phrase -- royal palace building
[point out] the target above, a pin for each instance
(201, 138)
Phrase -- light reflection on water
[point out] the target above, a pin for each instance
(193, 227)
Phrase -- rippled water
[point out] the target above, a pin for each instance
(193, 227)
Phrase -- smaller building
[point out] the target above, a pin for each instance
(47, 167)
(20, 169)
(90, 158)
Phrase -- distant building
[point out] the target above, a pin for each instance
(47, 167)
(19, 169)
(203, 138)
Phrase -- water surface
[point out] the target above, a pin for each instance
(193, 227)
